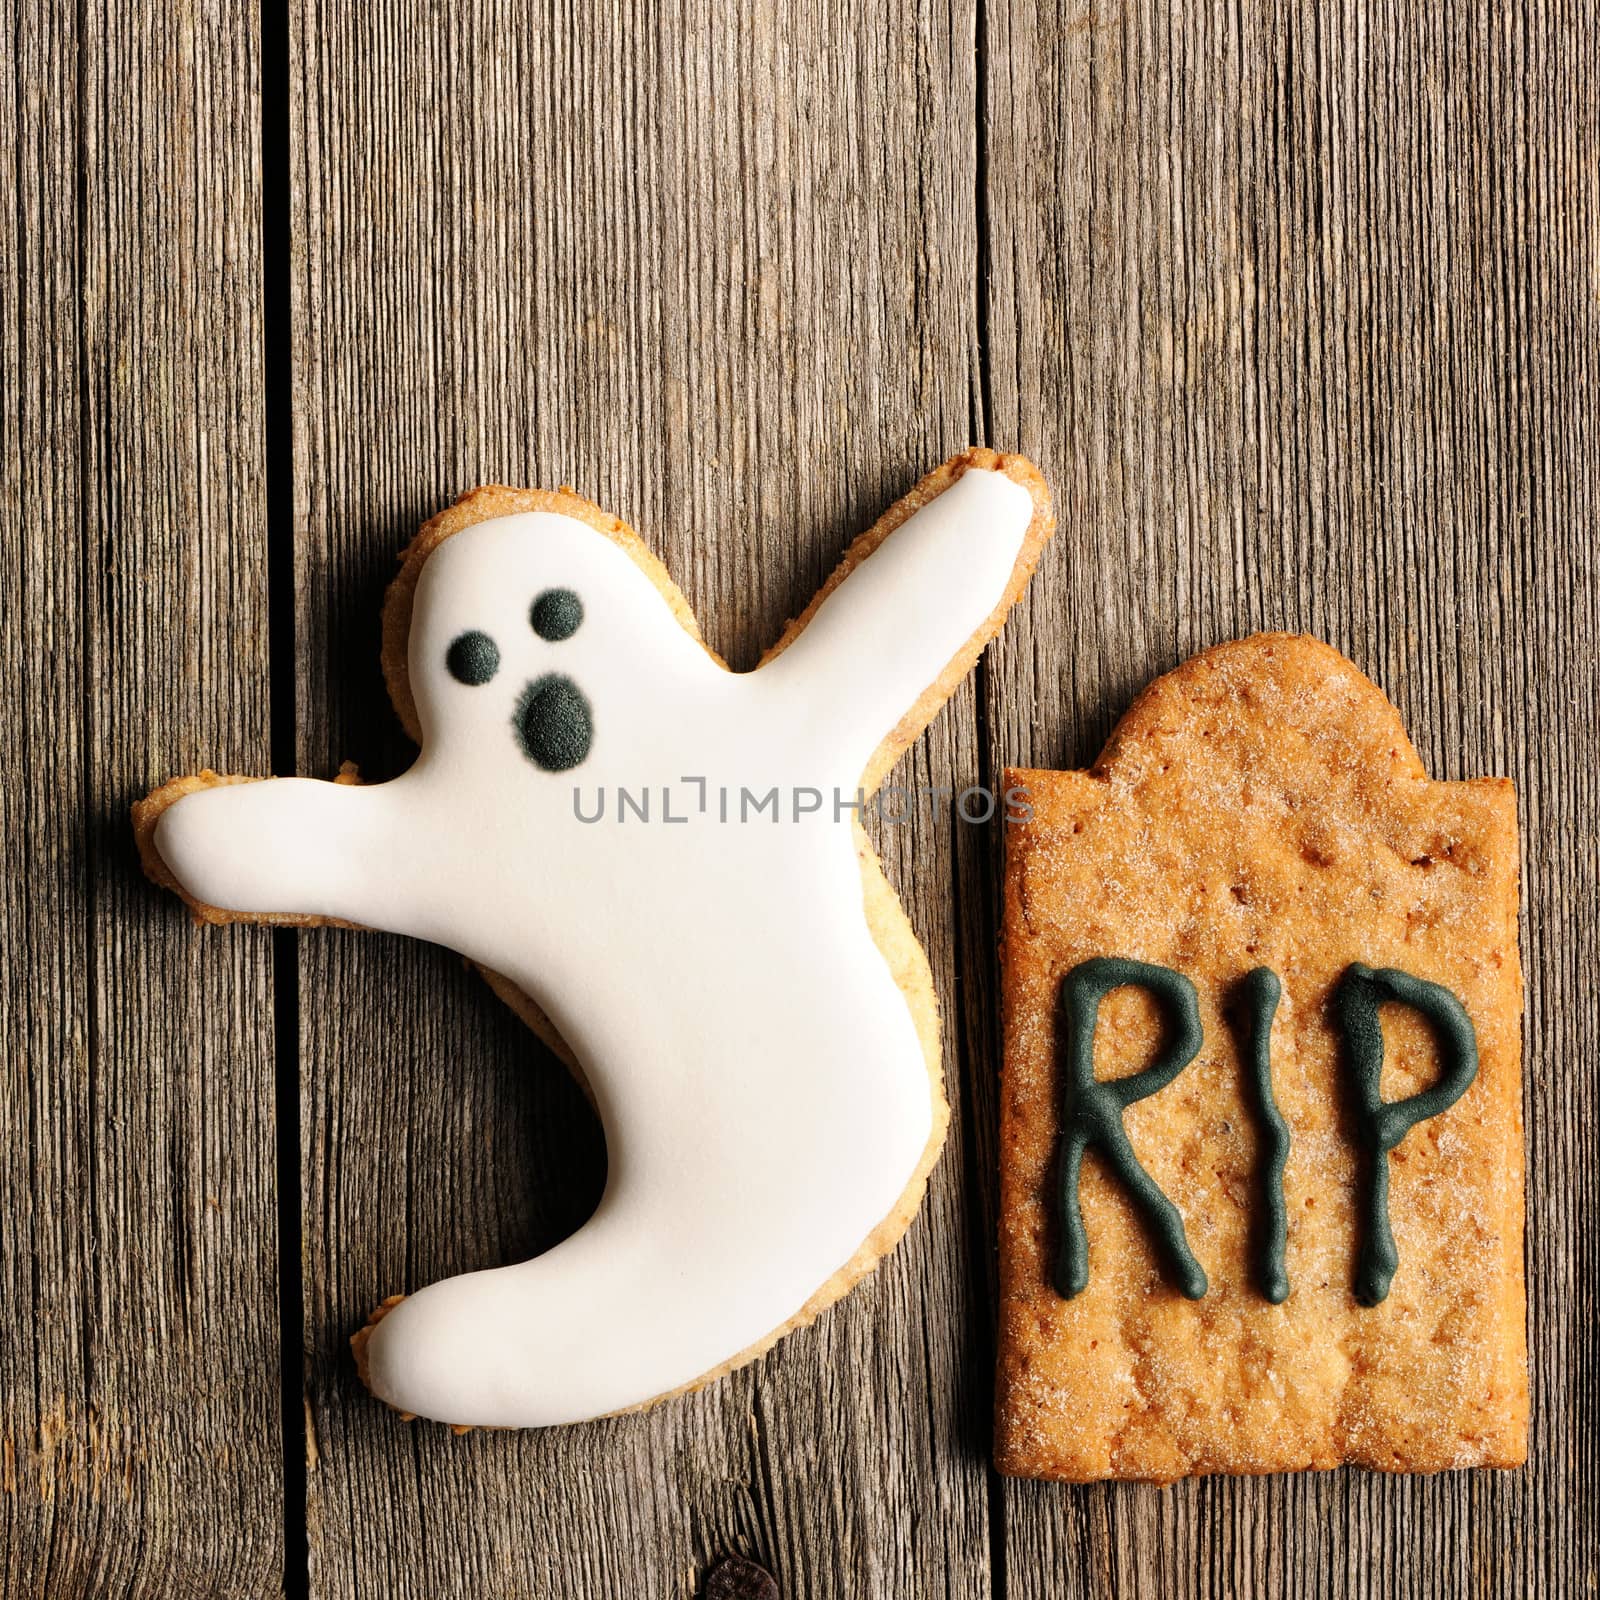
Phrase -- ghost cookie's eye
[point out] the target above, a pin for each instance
(472, 658)
(556, 615)
(553, 723)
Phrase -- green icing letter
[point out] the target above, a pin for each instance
(1383, 1124)
(1259, 993)
(1092, 1113)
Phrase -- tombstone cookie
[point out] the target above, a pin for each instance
(660, 863)
(1261, 1130)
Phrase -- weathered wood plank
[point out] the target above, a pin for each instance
(1300, 316)
(1297, 309)
(714, 265)
(139, 1427)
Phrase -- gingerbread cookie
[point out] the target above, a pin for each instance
(661, 864)
(1261, 1128)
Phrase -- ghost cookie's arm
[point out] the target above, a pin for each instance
(274, 850)
(889, 640)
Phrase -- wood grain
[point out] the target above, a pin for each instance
(139, 1431)
(1298, 311)
(714, 266)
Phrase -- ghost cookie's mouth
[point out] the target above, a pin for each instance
(553, 723)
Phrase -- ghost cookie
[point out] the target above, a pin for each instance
(660, 864)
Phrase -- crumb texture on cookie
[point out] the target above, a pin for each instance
(1261, 806)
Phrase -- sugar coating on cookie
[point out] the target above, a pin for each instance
(736, 983)
(1261, 809)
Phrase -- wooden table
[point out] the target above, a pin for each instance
(1299, 312)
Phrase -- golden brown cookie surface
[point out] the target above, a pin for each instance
(1262, 806)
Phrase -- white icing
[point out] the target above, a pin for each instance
(757, 1070)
